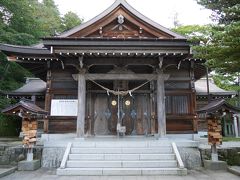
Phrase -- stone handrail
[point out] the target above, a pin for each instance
(179, 159)
(65, 156)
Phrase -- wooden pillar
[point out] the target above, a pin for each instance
(235, 125)
(161, 113)
(193, 104)
(48, 98)
(238, 118)
(81, 104)
(152, 108)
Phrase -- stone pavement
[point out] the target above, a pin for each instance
(234, 170)
(6, 170)
(50, 174)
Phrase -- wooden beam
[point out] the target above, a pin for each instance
(122, 76)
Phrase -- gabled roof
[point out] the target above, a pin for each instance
(24, 105)
(131, 10)
(33, 86)
(201, 88)
(217, 105)
(25, 49)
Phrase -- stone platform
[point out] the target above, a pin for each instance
(29, 165)
(55, 146)
(234, 169)
(215, 165)
(118, 158)
(6, 170)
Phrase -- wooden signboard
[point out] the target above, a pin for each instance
(214, 131)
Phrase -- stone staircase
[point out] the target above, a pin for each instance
(120, 158)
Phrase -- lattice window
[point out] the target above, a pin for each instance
(177, 104)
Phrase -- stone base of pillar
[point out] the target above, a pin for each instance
(215, 165)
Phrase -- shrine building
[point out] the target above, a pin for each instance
(118, 69)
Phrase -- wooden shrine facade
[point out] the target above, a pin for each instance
(119, 67)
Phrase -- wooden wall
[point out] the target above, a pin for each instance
(180, 103)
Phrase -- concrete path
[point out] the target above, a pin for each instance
(4, 171)
(234, 169)
(50, 174)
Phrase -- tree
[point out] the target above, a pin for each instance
(224, 11)
(199, 37)
(219, 44)
(48, 18)
(24, 23)
(224, 49)
(202, 40)
(70, 20)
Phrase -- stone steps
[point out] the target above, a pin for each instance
(121, 171)
(129, 157)
(121, 164)
(120, 158)
(137, 150)
(121, 144)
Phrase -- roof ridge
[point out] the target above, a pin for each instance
(132, 10)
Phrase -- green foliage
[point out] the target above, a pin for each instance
(12, 75)
(226, 82)
(223, 51)
(224, 11)
(48, 18)
(24, 22)
(70, 20)
(219, 44)
(196, 34)
(228, 139)
(9, 126)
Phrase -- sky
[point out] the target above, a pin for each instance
(160, 11)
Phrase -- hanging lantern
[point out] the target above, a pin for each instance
(127, 103)
(114, 102)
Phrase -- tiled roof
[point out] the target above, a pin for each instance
(217, 105)
(201, 88)
(25, 105)
(32, 86)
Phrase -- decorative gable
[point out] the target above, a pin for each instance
(121, 21)
(121, 27)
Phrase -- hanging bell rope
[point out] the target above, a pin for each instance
(121, 93)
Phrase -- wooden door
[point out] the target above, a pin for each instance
(101, 115)
(143, 114)
(134, 114)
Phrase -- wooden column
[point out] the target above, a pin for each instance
(48, 98)
(235, 126)
(161, 113)
(152, 108)
(238, 118)
(81, 104)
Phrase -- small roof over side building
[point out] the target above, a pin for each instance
(216, 105)
(201, 88)
(26, 106)
(33, 86)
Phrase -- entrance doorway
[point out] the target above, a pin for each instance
(133, 112)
